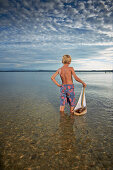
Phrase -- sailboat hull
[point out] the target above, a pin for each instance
(80, 111)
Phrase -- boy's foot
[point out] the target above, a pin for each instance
(71, 109)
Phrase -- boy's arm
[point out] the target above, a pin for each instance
(53, 78)
(76, 78)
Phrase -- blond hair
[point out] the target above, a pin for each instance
(66, 59)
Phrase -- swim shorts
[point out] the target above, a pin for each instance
(67, 95)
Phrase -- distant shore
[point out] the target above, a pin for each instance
(55, 71)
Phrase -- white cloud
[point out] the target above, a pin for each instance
(107, 54)
(91, 64)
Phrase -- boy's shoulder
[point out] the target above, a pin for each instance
(71, 68)
(59, 70)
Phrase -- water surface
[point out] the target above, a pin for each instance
(34, 135)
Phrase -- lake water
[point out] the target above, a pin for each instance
(33, 133)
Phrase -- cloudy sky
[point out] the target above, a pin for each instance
(35, 34)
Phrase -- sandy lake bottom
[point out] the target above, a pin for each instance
(34, 135)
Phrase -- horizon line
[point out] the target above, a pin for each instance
(28, 70)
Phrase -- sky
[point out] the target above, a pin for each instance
(35, 34)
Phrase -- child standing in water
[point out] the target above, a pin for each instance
(67, 94)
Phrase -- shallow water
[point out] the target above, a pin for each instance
(34, 135)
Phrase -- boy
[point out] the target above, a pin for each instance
(67, 93)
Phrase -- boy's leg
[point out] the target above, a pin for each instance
(62, 98)
(71, 97)
(62, 108)
(72, 109)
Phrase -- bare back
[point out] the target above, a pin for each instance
(66, 75)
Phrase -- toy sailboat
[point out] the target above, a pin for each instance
(80, 108)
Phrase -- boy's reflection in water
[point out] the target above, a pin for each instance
(73, 140)
(66, 125)
(67, 139)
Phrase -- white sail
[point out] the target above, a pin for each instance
(84, 100)
(80, 101)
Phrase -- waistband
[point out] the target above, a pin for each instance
(65, 85)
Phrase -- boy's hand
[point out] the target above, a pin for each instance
(84, 85)
(59, 85)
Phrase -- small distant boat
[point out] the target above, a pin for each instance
(81, 108)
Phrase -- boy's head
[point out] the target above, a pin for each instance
(66, 59)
